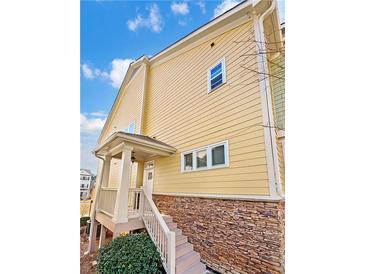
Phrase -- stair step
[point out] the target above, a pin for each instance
(171, 225)
(198, 268)
(167, 218)
(177, 231)
(185, 262)
(181, 239)
(182, 249)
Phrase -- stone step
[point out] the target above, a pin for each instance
(181, 239)
(183, 249)
(185, 262)
(167, 218)
(177, 231)
(171, 225)
(197, 268)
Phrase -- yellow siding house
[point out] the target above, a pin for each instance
(193, 148)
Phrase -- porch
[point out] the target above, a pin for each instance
(119, 191)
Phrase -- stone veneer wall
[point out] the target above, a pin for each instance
(232, 236)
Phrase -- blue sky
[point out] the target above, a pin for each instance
(113, 33)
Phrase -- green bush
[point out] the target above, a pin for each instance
(130, 254)
(83, 221)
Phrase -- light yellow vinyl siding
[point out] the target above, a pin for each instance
(129, 107)
(180, 112)
(277, 76)
(277, 71)
(128, 111)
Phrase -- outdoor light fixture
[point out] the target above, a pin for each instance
(133, 159)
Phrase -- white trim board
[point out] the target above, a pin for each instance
(267, 115)
(222, 196)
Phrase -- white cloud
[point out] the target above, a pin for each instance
(115, 75)
(133, 25)
(153, 22)
(98, 114)
(100, 73)
(180, 8)
(224, 6)
(201, 4)
(119, 69)
(91, 125)
(88, 73)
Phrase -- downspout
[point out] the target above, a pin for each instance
(263, 69)
(94, 206)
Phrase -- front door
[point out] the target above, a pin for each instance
(148, 177)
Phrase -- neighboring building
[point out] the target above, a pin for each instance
(85, 183)
(193, 148)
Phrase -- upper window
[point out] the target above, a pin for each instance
(212, 156)
(217, 75)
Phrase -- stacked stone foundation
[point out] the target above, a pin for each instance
(232, 236)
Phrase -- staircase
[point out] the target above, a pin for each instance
(187, 260)
(177, 255)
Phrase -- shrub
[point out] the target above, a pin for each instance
(130, 254)
(83, 221)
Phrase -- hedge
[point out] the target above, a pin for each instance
(130, 254)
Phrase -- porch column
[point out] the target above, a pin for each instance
(102, 236)
(92, 236)
(104, 179)
(121, 202)
(94, 206)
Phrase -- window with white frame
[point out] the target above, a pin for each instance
(217, 75)
(209, 157)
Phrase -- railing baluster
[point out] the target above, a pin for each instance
(161, 235)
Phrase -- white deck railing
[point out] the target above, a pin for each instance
(134, 197)
(107, 199)
(161, 235)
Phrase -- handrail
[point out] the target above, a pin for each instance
(161, 235)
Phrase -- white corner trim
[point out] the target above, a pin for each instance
(143, 98)
(267, 114)
(222, 196)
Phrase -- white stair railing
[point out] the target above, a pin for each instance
(161, 235)
(134, 197)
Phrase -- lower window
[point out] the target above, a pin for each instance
(209, 157)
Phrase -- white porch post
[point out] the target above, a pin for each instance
(92, 236)
(104, 169)
(102, 236)
(121, 202)
(106, 172)
(104, 179)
